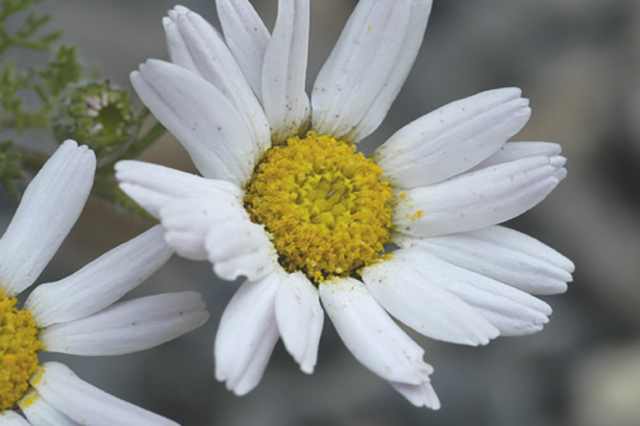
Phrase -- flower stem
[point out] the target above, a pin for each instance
(140, 145)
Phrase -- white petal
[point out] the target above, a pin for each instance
(40, 413)
(200, 117)
(512, 151)
(368, 66)
(284, 73)
(477, 199)
(300, 319)
(129, 326)
(87, 404)
(246, 36)
(417, 299)
(503, 254)
(177, 46)
(422, 395)
(371, 335)
(188, 221)
(11, 418)
(510, 310)
(254, 370)
(153, 186)
(453, 138)
(195, 45)
(101, 282)
(49, 208)
(237, 246)
(247, 334)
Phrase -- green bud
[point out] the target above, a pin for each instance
(96, 114)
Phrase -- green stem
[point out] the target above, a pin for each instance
(146, 112)
(139, 146)
(106, 187)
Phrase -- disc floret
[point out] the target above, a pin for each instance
(324, 204)
(19, 347)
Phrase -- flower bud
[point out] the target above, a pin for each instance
(96, 114)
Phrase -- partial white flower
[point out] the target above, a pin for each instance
(301, 215)
(79, 314)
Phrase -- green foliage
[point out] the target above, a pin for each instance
(12, 83)
(27, 96)
(25, 36)
(51, 97)
(10, 169)
(45, 83)
(63, 70)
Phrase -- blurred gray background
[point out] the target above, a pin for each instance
(579, 63)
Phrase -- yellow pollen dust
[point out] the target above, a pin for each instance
(19, 347)
(324, 205)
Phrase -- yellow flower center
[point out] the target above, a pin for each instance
(19, 347)
(324, 204)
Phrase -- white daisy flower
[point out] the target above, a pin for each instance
(286, 201)
(79, 314)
